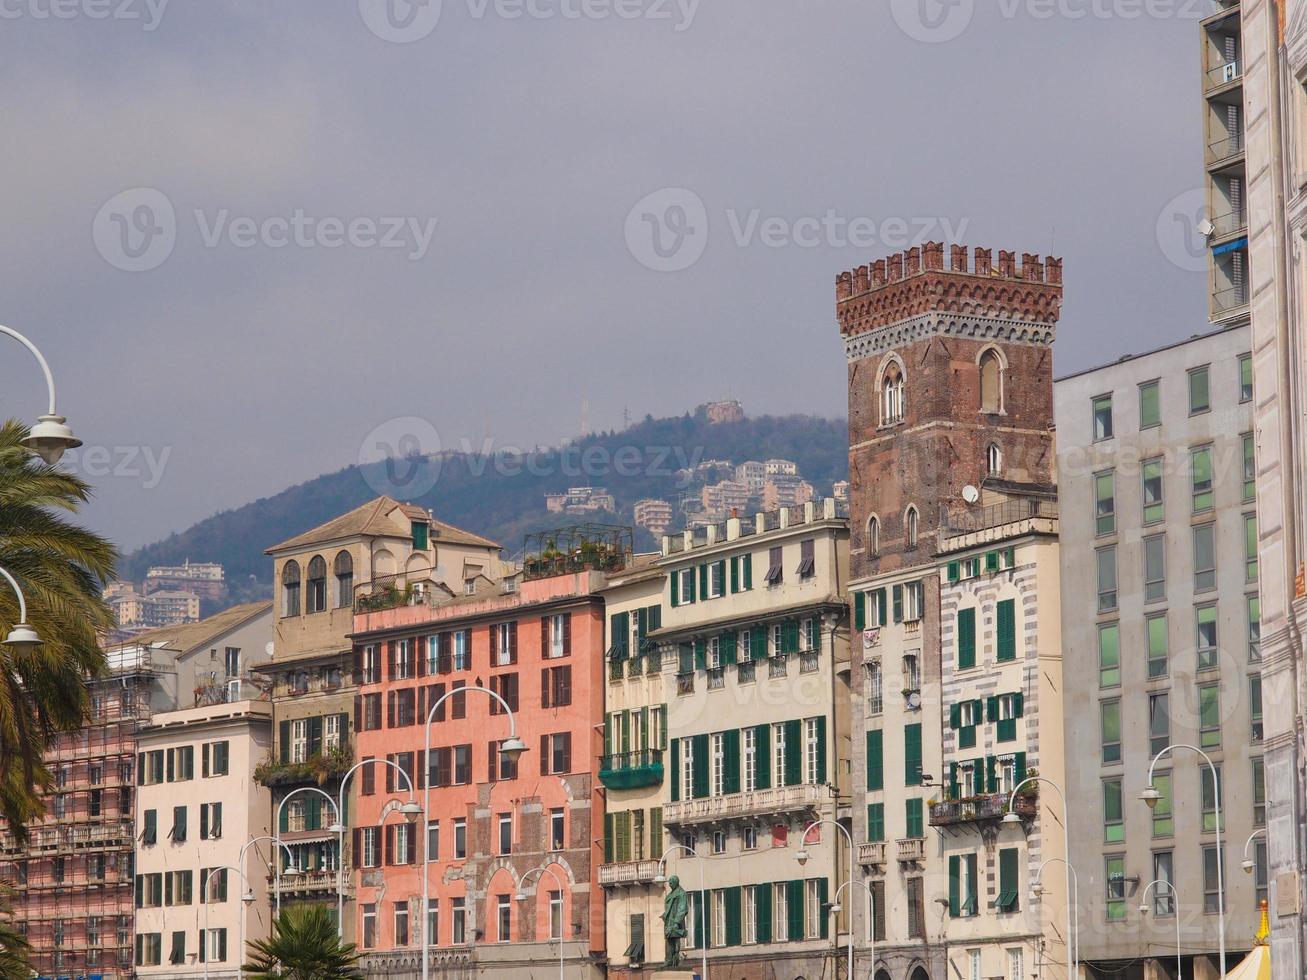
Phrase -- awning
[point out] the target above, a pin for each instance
(1257, 964)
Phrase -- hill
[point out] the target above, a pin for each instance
(502, 495)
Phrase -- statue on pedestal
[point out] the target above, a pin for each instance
(676, 910)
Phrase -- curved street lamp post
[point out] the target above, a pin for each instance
(802, 858)
(521, 897)
(247, 898)
(1012, 817)
(50, 437)
(1175, 898)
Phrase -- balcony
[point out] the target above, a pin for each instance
(310, 881)
(1229, 299)
(1001, 516)
(1222, 75)
(981, 809)
(327, 765)
(628, 873)
(871, 853)
(1225, 150)
(632, 770)
(1231, 223)
(751, 805)
(911, 850)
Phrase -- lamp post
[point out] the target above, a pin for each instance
(409, 809)
(871, 903)
(51, 435)
(22, 638)
(521, 897)
(1012, 817)
(1143, 910)
(1073, 896)
(247, 897)
(510, 750)
(1248, 864)
(1151, 796)
(802, 858)
(661, 879)
(335, 828)
(290, 872)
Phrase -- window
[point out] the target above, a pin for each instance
(299, 740)
(504, 642)
(807, 559)
(993, 460)
(433, 922)
(1016, 964)
(1250, 548)
(1245, 378)
(149, 948)
(719, 842)
(1102, 418)
(1150, 404)
(458, 932)
(914, 811)
(875, 689)
(555, 915)
(556, 754)
(433, 840)
(290, 589)
(779, 753)
(505, 833)
(775, 570)
(401, 924)
(913, 601)
(343, 567)
(1110, 715)
(1255, 707)
(317, 592)
(1163, 813)
(1115, 887)
(1249, 468)
(991, 382)
(1106, 558)
(1200, 395)
(812, 906)
(964, 891)
(1254, 628)
(371, 665)
(1209, 716)
(1259, 792)
(1155, 568)
(1113, 812)
(1159, 722)
(1209, 795)
(1109, 655)
(1211, 881)
(370, 926)
(1204, 557)
(912, 523)
(460, 839)
(716, 580)
(1154, 505)
(503, 919)
(558, 633)
(814, 751)
(463, 650)
(916, 908)
(1205, 632)
(873, 536)
(1105, 502)
(892, 395)
(1163, 895)
(1200, 466)
(1158, 646)
(557, 837)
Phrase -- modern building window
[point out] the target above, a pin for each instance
(1106, 559)
(1250, 548)
(1200, 390)
(1204, 557)
(1105, 502)
(1150, 404)
(1209, 716)
(1211, 881)
(1151, 472)
(1209, 795)
(1158, 646)
(1259, 792)
(1254, 628)
(1163, 813)
(1205, 637)
(1113, 812)
(1245, 378)
(1159, 722)
(1163, 895)
(1110, 717)
(1255, 707)
(1109, 655)
(1249, 468)
(1155, 568)
(1102, 418)
(1115, 887)
(1200, 467)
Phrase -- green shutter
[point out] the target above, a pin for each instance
(793, 753)
(991, 561)
(703, 581)
(880, 607)
(1008, 875)
(762, 911)
(875, 760)
(912, 755)
(859, 611)
(728, 648)
(685, 658)
(821, 750)
(700, 767)
(1007, 630)
(898, 603)
(875, 822)
(991, 708)
(674, 589)
(762, 757)
(954, 571)
(954, 885)
(1020, 766)
(748, 572)
(734, 931)
(966, 639)
(823, 899)
(731, 762)
(991, 774)
(794, 910)
(954, 788)
(691, 578)
(916, 817)
(1018, 705)
(609, 819)
(955, 716)
(285, 741)
(676, 769)
(735, 574)
(701, 654)
(790, 636)
(758, 643)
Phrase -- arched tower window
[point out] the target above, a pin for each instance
(317, 596)
(344, 569)
(994, 459)
(891, 408)
(912, 523)
(873, 535)
(991, 382)
(290, 589)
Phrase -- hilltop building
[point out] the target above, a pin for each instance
(724, 412)
(581, 500)
(655, 516)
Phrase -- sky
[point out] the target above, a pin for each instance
(257, 241)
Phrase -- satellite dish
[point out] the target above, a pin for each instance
(914, 700)
(970, 494)
(1205, 228)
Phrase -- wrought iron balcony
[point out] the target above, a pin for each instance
(871, 852)
(750, 805)
(632, 770)
(981, 809)
(628, 873)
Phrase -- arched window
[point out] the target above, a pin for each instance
(912, 524)
(344, 571)
(873, 535)
(290, 589)
(991, 382)
(891, 408)
(994, 459)
(317, 597)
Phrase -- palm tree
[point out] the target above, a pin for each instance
(15, 952)
(61, 567)
(303, 946)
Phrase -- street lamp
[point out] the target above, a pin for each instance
(521, 897)
(336, 828)
(661, 879)
(51, 435)
(510, 751)
(1012, 817)
(247, 897)
(802, 858)
(1073, 900)
(871, 903)
(1249, 865)
(290, 871)
(410, 810)
(22, 638)
(1151, 796)
(1143, 910)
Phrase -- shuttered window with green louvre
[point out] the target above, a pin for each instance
(731, 761)
(790, 636)
(762, 757)
(793, 753)
(1008, 875)
(700, 767)
(823, 899)
(794, 910)
(619, 635)
(676, 770)
(914, 811)
(912, 755)
(875, 760)
(758, 643)
(762, 911)
(1007, 630)
(966, 639)
(734, 930)
(875, 822)
(859, 611)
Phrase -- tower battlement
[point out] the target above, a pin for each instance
(915, 282)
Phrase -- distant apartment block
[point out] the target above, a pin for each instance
(134, 611)
(781, 467)
(581, 500)
(783, 490)
(653, 515)
(722, 498)
(753, 474)
(208, 580)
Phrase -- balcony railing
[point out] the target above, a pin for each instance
(1223, 74)
(632, 770)
(1224, 149)
(911, 849)
(1230, 299)
(628, 873)
(981, 809)
(1229, 223)
(756, 803)
(872, 852)
(960, 522)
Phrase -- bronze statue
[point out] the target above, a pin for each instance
(676, 909)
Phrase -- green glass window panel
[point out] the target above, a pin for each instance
(1246, 378)
(1249, 468)
(1154, 507)
(1105, 502)
(1110, 713)
(1209, 716)
(1158, 646)
(1164, 812)
(1250, 547)
(1114, 880)
(1209, 798)
(1109, 655)
(1205, 629)
(1113, 812)
(1150, 405)
(1201, 466)
(1200, 393)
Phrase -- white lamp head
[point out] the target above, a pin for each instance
(248, 897)
(512, 748)
(23, 639)
(290, 871)
(1151, 796)
(1143, 910)
(1012, 817)
(836, 909)
(802, 856)
(1037, 889)
(50, 437)
(336, 828)
(1248, 867)
(520, 896)
(411, 810)
(660, 879)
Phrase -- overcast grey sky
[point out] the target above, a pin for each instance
(247, 355)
